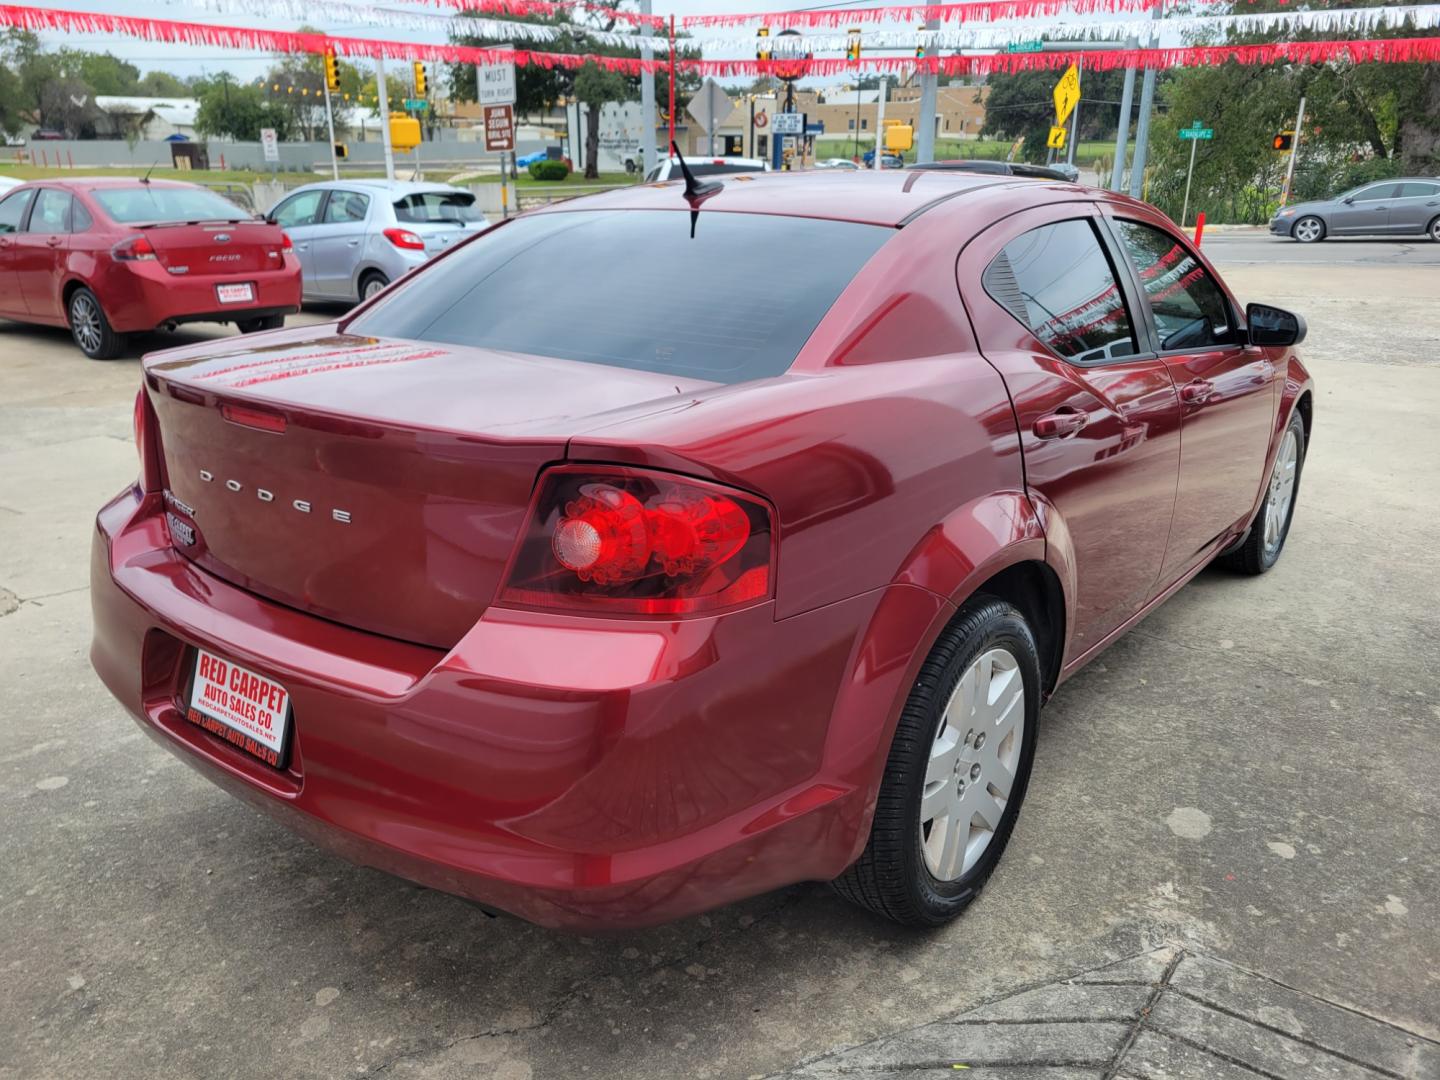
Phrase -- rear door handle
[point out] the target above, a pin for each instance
(1197, 391)
(54, 241)
(353, 243)
(1060, 424)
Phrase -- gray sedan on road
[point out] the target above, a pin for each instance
(1409, 206)
(354, 237)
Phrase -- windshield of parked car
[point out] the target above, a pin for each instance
(147, 203)
(431, 207)
(632, 289)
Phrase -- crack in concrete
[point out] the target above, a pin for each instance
(1140, 1021)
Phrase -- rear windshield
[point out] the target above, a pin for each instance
(148, 203)
(632, 289)
(437, 206)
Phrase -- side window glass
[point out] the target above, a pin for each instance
(345, 208)
(1376, 193)
(51, 213)
(1191, 311)
(298, 209)
(12, 210)
(1418, 191)
(80, 218)
(1058, 281)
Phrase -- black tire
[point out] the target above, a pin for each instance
(891, 877)
(90, 328)
(260, 325)
(371, 281)
(1308, 236)
(1433, 229)
(1254, 555)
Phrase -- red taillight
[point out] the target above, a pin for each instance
(133, 249)
(285, 243)
(254, 418)
(404, 238)
(625, 540)
(145, 444)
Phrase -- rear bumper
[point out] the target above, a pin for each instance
(142, 296)
(576, 773)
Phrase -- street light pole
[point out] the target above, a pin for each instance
(648, 159)
(1122, 134)
(929, 81)
(1142, 126)
(330, 125)
(382, 92)
(1294, 152)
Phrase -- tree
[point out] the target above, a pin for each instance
(10, 118)
(236, 111)
(1023, 103)
(101, 72)
(162, 84)
(595, 86)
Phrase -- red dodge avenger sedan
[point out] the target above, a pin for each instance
(655, 550)
(107, 257)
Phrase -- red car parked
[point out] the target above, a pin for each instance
(653, 551)
(107, 257)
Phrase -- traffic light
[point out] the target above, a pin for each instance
(419, 79)
(852, 46)
(763, 52)
(404, 132)
(341, 150)
(332, 70)
(920, 46)
(1284, 140)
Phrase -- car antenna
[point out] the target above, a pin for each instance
(146, 178)
(695, 192)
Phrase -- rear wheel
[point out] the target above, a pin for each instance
(371, 283)
(1308, 230)
(1434, 229)
(957, 771)
(263, 323)
(1268, 532)
(91, 329)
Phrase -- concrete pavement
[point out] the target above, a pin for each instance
(1248, 778)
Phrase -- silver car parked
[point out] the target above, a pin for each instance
(1409, 206)
(354, 237)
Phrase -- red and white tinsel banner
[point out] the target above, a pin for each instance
(564, 8)
(1383, 50)
(1347, 22)
(289, 41)
(974, 11)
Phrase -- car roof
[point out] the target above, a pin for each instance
(875, 197)
(95, 182)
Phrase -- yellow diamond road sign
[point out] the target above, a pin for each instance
(1067, 93)
(1056, 141)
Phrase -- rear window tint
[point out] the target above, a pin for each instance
(430, 206)
(632, 289)
(150, 203)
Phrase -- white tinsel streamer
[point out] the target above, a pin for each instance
(1191, 28)
(339, 11)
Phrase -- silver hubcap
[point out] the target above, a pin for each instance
(85, 322)
(373, 286)
(973, 760)
(1307, 230)
(1281, 493)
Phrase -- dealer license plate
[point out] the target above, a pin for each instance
(247, 710)
(243, 293)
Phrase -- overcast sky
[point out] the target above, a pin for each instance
(185, 60)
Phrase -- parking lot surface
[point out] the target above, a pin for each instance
(1243, 788)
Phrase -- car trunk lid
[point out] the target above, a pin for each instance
(380, 483)
(215, 248)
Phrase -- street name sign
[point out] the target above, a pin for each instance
(416, 104)
(495, 83)
(1025, 46)
(1195, 131)
(499, 127)
(1067, 94)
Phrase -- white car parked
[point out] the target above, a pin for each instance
(669, 169)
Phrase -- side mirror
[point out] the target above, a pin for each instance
(1272, 326)
(1349, 200)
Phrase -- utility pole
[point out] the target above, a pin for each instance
(330, 124)
(1122, 134)
(1142, 126)
(929, 82)
(1294, 153)
(1075, 113)
(381, 91)
(880, 124)
(648, 158)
